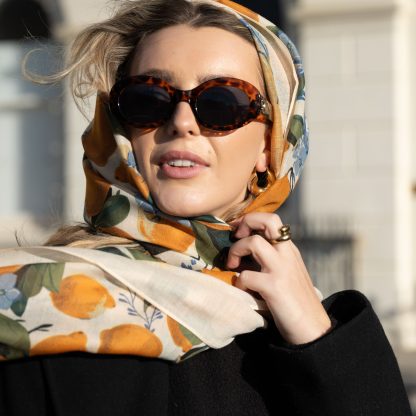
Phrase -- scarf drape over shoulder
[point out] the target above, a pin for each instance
(167, 294)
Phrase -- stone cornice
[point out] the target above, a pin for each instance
(323, 9)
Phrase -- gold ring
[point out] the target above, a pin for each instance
(285, 235)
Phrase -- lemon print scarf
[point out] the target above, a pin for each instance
(166, 294)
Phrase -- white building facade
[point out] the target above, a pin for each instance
(359, 63)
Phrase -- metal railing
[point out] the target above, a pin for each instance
(329, 260)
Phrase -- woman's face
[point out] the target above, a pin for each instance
(185, 57)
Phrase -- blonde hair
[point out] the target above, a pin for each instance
(101, 53)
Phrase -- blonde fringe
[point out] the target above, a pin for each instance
(82, 235)
(101, 49)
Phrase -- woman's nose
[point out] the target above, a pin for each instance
(183, 122)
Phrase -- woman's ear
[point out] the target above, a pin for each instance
(263, 161)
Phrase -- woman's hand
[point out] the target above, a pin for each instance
(283, 281)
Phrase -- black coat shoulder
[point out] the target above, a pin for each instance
(349, 371)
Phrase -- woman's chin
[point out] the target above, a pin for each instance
(182, 212)
(184, 209)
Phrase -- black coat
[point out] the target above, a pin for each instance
(349, 371)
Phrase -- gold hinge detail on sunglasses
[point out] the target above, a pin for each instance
(266, 108)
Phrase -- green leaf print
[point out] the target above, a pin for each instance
(29, 282)
(192, 352)
(301, 86)
(219, 238)
(190, 336)
(19, 305)
(32, 278)
(115, 210)
(207, 218)
(52, 276)
(14, 338)
(273, 29)
(113, 250)
(296, 130)
(210, 244)
(140, 254)
(203, 243)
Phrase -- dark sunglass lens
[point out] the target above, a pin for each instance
(223, 106)
(142, 104)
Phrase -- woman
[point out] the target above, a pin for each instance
(198, 137)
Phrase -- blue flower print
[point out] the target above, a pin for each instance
(131, 161)
(300, 153)
(188, 266)
(143, 204)
(8, 293)
(261, 46)
(290, 45)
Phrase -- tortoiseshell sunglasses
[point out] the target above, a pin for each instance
(218, 104)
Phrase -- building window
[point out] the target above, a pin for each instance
(20, 19)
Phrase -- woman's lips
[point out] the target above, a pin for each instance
(184, 172)
(181, 172)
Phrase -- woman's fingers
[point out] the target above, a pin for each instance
(250, 280)
(265, 224)
(283, 280)
(255, 245)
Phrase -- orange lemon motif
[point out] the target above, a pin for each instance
(122, 172)
(225, 276)
(128, 174)
(82, 297)
(96, 193)
(215, 226)
(141, 185)
(99, 143)
(77, 341)
(164, 232)
(118, 232)
(130, 339)
(240, 9)
(10, 269)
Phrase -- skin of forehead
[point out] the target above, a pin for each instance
(147, 61)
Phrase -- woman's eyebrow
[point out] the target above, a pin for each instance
(207, 77)
(158, 73)
(169, 77)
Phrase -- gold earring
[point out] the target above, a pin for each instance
(260, 181)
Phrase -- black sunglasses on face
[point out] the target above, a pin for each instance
(220, 104)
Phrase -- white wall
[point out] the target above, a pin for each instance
(359, 82)
(31, 149)
(75, 123)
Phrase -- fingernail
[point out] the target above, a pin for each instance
(231, 264)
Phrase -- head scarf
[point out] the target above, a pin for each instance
(167, 294)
